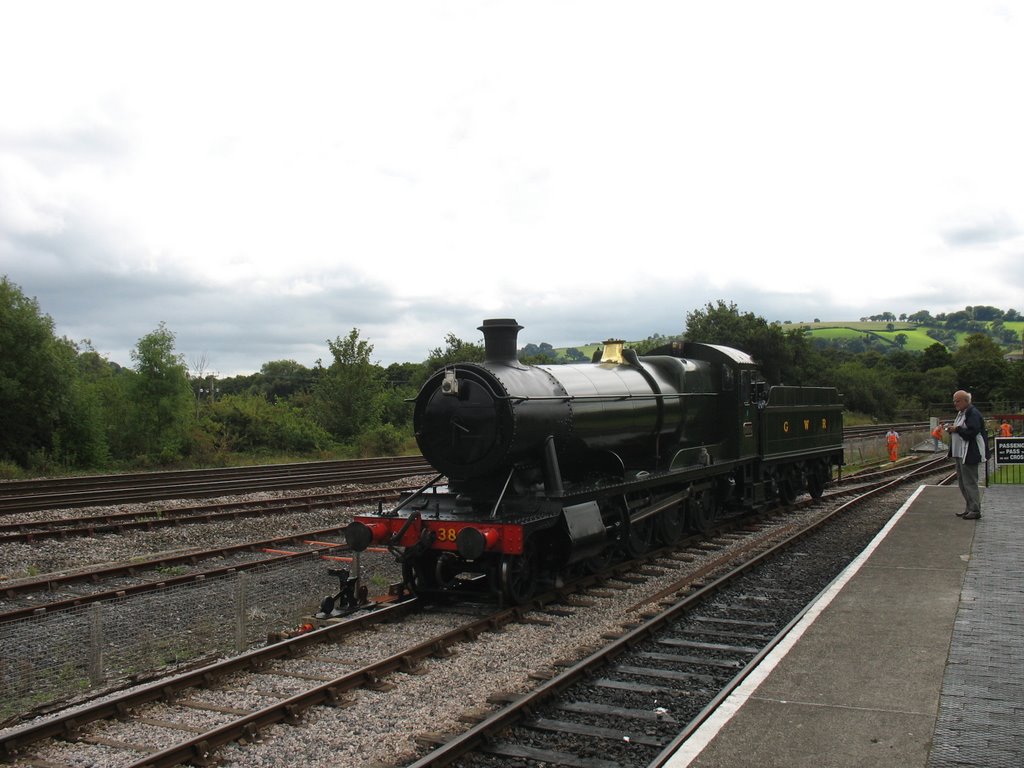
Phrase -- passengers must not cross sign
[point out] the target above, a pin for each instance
(1010, 450)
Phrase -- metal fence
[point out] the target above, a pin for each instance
(63, 653)
(1007, 462)
(863, 451)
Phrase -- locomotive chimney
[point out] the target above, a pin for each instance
(500, 336)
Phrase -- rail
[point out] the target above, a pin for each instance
(28, 495)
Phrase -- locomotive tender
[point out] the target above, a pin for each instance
(553, 467)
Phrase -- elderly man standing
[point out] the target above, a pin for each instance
(967, 446)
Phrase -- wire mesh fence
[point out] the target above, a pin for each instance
(64, 653)
(865, 451)
(1008, 460)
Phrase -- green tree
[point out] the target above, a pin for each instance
(1004, 335)
(114, 390)
(347, 395)
(46, 415)
(938, 386)
(765, 342)
(538, 354)
(921, 316)
(455, 351)
(283, 379)
(1012, 388)
(805, 365)
(399, 387)
(980, 366)
(252, 424)
(935, 356)
(867, 390)
(983, 312)
(654, 341)
(162, 397)
(94, 407)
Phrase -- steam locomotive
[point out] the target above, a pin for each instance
(554, 467)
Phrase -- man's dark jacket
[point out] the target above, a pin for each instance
(973, 426)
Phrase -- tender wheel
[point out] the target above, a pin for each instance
(787, 487)
(518, 577)
(816, 480)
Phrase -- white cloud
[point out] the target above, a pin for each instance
(406, 167)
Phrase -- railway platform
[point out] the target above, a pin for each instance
(913, 658)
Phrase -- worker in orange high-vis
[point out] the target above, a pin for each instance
(892, 439)
(1005, 430)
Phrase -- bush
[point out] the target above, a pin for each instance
(10, 471)
(251, 424)
(40, 462)
(383, 440)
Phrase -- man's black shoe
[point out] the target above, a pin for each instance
(974, 516)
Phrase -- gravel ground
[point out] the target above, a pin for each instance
(379, 728)
(20, 561)
(47, 657)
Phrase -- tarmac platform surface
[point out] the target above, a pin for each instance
(912, 658)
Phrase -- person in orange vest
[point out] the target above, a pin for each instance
(892, 439)
(1005, 430)
(937, 434)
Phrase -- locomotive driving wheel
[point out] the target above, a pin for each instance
(671, 525)
(640, 536)
(600, 561)
(701, 510)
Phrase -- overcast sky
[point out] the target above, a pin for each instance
(263, 177)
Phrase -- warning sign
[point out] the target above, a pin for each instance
(1010, 450)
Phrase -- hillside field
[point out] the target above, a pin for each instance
(917, 336)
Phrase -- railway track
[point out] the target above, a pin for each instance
(635, 585)
(28, 495)
(94, 490)
(108, 522)
(634, 701)
(143, 575)
(869, 430)
(33, 527)
(117, 618)
(155, 573)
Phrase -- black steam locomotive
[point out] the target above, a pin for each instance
(552, 467)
